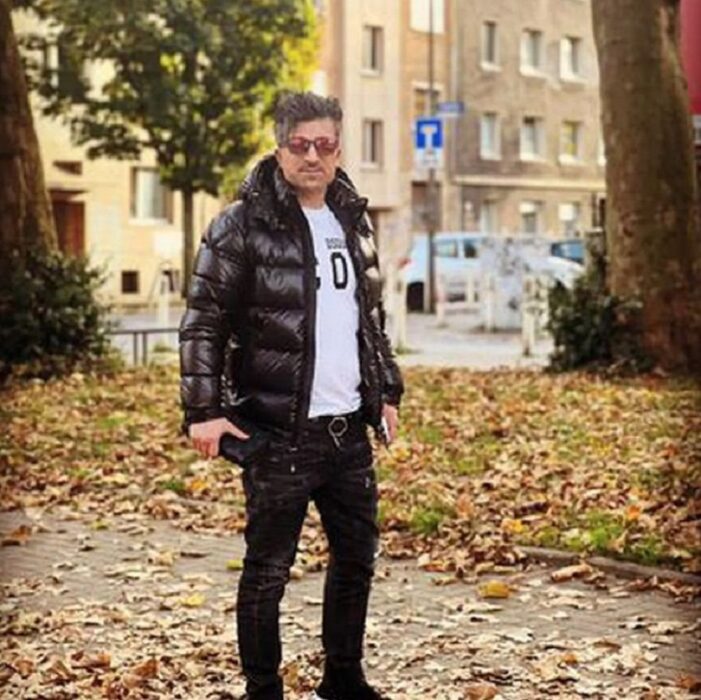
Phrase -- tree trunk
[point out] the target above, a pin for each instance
(26, 219)
(652, 233)
(188, 241)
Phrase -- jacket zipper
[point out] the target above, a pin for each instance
(363, 307)
(309, 357)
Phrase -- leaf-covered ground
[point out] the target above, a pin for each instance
(485, 462)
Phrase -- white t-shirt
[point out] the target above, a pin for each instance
(336, 383)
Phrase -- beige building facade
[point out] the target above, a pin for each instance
(526, 156)
(361, 65)
(117, 213)
(529, 151)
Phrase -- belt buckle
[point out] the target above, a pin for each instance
(337, 432)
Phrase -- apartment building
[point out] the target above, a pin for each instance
(360, 64)
(116, 212)
(525, 157)
(529, 152)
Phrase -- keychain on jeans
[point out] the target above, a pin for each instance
(337, 434)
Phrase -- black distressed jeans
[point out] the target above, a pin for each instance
(278, 483)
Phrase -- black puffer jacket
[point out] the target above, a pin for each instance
(254, 289)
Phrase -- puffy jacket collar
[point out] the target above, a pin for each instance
(270, 196)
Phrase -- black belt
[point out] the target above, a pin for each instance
(336, 426)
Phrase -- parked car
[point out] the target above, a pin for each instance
(569, 249)
(456, 254)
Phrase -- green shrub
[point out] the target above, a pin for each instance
(592, 328)
(50, 320)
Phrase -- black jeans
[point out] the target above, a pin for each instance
(278, 483)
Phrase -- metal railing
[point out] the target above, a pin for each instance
(143, 334)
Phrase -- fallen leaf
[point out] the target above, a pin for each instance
(481, 691)
(569, 572)
(196, 600)
(18, 537)
(494, 589)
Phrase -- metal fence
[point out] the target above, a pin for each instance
(140, 340)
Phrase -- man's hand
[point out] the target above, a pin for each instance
(205, 436)
(391, 415)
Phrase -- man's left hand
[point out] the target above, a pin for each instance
(391, 415)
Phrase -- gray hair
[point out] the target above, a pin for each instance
(297, 107)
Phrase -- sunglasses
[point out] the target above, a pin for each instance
(299, 146)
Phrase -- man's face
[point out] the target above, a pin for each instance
(311, 170)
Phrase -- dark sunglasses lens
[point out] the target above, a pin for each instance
(298, 146)
(325, 147)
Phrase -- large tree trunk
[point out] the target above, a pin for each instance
(26, 219)
(652, 233)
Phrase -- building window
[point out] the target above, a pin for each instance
(490, 50)
(150, 199)
(532, 138)
(69, 75)
(446, 249)
(130, 281)
(532, 51)
(570, 142)
(571, 58)
(530, 217)
(422, 104)
(372, 49)
(490, 137)
(420, 20)
(372, 142)
(489, 222)
(569, 213)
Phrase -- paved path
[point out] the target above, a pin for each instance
(459, 343)
(143, 589)
(455, 343)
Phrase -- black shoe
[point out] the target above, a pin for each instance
(340, 685)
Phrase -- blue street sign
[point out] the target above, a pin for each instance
(429, 134)
(455, 108)
(428, 144)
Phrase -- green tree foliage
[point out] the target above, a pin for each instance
(192, 80)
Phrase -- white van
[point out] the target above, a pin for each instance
(456, 254)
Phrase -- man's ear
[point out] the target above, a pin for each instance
(277, 155)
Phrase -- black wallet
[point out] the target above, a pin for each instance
(238, 450)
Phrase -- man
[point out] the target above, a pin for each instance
(289, 273)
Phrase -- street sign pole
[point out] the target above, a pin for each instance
(430, 304)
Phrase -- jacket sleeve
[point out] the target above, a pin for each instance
(393, 384)
(215, 295)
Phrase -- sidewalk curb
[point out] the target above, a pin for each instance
(622, 569)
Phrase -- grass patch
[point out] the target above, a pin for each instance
(429, 434)
(469, 466)
(426, 520)
(114, 420)
(649, 551)
(478, 455)
(176, 485)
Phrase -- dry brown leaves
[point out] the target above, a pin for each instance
(484, 462)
